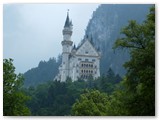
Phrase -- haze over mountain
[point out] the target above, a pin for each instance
(104, 28)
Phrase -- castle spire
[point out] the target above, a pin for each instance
(67, 23)
(74, 47)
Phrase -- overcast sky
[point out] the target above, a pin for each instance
(33, 32)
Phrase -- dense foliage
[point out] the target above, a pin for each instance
(57, 98)
(140, 78)
(13, 97)
(91, 103)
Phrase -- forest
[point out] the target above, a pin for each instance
(108, 95)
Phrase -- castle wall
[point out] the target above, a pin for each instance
(81, 62)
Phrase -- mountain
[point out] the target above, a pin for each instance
(105, 26)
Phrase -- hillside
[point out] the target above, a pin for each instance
(45, 71)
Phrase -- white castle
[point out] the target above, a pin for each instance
(77, 62)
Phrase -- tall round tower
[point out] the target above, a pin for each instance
(66, 47)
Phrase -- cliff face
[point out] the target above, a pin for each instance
(105, 26)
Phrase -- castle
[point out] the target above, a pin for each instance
(77, 62)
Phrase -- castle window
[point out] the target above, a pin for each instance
(86, 52)
(86, 59)
(79, 59)
(87, 65)
(93, 60)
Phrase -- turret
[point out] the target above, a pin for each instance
(74, 49)
(67, 30)
(67, 46)
(67, 33)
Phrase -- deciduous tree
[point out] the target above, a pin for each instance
(140, 77)
(91, 103)
(13, 98)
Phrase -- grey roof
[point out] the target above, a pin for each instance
(74, 47)
(68, 23)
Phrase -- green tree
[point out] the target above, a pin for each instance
(91, 103)
(106, 83)
(13, 98)
(140, 78)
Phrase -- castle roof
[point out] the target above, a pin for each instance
(68, 23)
(74, 47)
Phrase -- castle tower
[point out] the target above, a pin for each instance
(66, 47)
(81, 62)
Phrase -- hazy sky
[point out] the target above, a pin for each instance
(33, 32)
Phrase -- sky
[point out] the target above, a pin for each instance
(33, 32)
